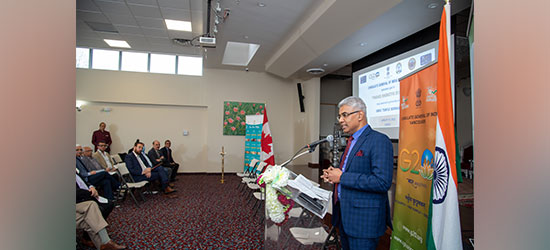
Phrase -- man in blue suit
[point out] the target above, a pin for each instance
(361, 184)
(140, 169)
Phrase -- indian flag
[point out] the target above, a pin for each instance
(444, 221)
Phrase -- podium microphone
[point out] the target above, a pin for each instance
(314, 144)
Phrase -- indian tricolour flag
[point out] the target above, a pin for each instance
(444, 221)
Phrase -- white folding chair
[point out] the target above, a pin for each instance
(128, 183)
(116, 158)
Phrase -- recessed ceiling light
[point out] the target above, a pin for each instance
(315, 71)
(245, 37)
(178, 25)
(325, 64)
(432, 5)
(117, 43)
(260, 4)
(362, 44)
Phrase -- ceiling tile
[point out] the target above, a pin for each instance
(91, 16)
(180, 34)
(156, 23)
(176, 14)
(93, 43)
(155, 32)
(113, 7)
(86, 5)
(160, 41)
(144, 2)
(122, 19)
(105, 35)
(84, 34)
(197, 5)
(145, 11)
(126, 29)
(178, 4)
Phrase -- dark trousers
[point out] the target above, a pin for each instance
(105, 182)
(156, 174)
(174, 168)
(348, 242)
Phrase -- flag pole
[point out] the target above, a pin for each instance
(222, 153)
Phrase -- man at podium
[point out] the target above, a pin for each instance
(361, 184)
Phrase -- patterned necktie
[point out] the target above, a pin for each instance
(342, 161)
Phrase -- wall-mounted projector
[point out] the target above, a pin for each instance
(209, 42)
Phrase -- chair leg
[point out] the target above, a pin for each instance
(134, 197)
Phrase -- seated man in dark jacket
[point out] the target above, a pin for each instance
(157, 157)
(98, 178)
(141, 170)
(87, 192)
(167, 153)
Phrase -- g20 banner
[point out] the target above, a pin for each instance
(418, 118)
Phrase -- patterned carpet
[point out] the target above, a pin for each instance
(205, 215)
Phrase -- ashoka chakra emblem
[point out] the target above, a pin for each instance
(441, 176)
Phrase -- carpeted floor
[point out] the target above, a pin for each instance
(205, 215)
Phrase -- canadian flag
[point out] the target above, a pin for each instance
(267, 143)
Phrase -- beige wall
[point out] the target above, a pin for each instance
(194, 104)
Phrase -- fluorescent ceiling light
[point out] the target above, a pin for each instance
(239, 54)
(117, 43)
(178, 25)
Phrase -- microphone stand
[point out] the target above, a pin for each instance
(298, 154)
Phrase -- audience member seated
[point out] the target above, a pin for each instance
(97, 178)
(157, 158)
(103, 157)
(168, 170)
(141, 170)
(87, 192)
(167, 153)
(88, 217)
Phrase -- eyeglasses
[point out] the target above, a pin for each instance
(345, 115)
(78, 149)
(101, 145)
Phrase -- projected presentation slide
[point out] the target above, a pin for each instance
(379, 88)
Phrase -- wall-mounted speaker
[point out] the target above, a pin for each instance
(301, 98)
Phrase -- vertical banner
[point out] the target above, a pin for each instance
(418, 118)
(252, 139)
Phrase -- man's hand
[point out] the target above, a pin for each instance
(93, 172)
(332, 175)
(94, 192)
(147, 172)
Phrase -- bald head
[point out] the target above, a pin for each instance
(156, 145)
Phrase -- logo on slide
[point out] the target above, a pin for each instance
(363, 79)
(398, 68)
(412, 63)
(425, 59)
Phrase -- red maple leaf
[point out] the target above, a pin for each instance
(266, 140)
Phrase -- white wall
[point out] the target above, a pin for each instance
(194, 104)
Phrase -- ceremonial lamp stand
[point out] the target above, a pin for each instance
(222, 153)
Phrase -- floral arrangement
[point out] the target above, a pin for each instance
(277, 203)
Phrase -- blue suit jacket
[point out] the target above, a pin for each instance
(133, 165)
(364, 186)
